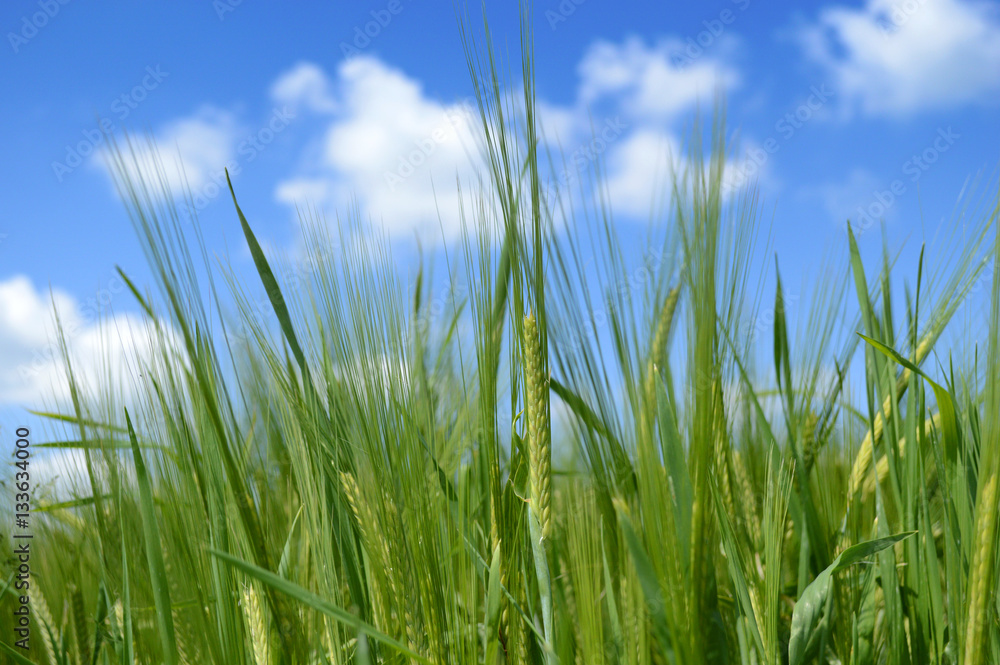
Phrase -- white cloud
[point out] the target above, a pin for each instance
(639, 170)
(103, 350)
(642, 92)
(898, 57)
(646, 83)
(305, 86)
(387, 146)
(388, 141)
(191, 150)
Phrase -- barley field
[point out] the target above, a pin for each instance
(546, 467)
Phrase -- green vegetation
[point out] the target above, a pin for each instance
(368, 475)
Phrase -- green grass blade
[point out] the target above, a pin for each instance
(647, 578)
(493, 609)
(946, 405)
(286, 551)
(736, 560)
(15, 656)
(310, 599)
(74, 503)
(100, 617)
(538, 547)
(811, 613)
(271, 287)
(154, 553)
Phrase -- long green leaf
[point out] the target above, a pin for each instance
(946, 405)
(15, 655)
(647, 579)
(154, 553)
(271, 286)
(810, 610)
(315, 602)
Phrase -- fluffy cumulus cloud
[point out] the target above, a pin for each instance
(103, 350)
(656, 82)
(390, 148)
(638, 170)
(394, 154)
(305, 86)
(192, 150)
(895, 57)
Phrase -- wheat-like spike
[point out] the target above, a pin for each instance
(401, 577)
(504, 626)
(882, 466)
(79, 624)
(980, 578)
(518, 637)
(372, 540)
(863, 462)
(41, 611)
(749, 500)
(537, 405)
(353, 494)
(809, 443)
(257, 622)
(722, 474)
(571, 609)
(119, 613)
(375, 546)
(656, 352)
(184, 656)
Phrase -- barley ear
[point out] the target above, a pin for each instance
(656, 351)
(537, 405)
(981, 574)
(254, 614)
(43, 617)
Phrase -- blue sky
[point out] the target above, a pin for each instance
(886, 107)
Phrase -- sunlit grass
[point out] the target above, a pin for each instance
(356, 478)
